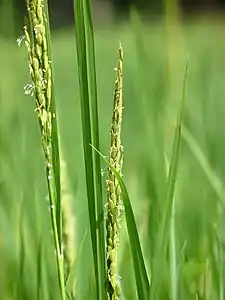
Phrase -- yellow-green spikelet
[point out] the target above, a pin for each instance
(40, 69)
(114, 200)
(68, 220)
(41, 76)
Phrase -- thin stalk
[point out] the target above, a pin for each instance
(37, 40)
(173, 261)
(221, 271)
(220, 262)
(55, 138)
(172, 249)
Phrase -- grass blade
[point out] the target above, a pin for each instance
(172, 249)
(95, 134)
(171, 180)
(218, 188)
(211, 175)
(141, 276)
(175, 157)
(83, 72)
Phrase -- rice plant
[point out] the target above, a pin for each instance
(151, 227)
(115, 205)
(37, 40)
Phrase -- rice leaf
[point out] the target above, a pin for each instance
(141, 276)
(211, 175)
(83, 73)
(171, 180)
(93, 98)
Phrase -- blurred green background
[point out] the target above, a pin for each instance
(156, 43)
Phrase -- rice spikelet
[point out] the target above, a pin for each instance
(115, 205)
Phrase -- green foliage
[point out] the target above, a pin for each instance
(171, 237)
(89, 112)
(141, 276)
